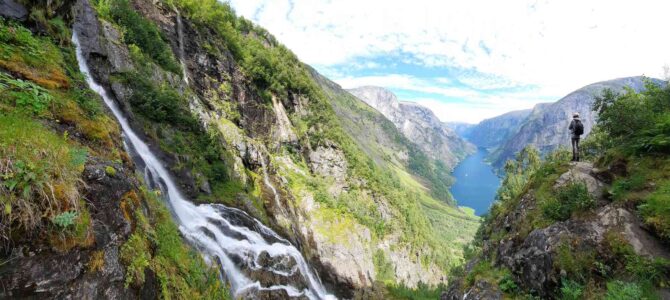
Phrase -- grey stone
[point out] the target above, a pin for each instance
(13, 10)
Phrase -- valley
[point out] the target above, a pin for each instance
(174, 149)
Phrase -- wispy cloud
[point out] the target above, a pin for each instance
(482, 46)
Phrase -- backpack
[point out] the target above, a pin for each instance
(579, 128)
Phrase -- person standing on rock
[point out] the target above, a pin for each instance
(576, 130)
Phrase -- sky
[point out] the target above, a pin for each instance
(475, 59)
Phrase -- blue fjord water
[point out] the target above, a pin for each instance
(476, 183)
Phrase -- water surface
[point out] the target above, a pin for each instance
(476, 183)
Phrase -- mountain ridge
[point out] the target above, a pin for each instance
(418, 123)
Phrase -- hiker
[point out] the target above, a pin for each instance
(576, 130)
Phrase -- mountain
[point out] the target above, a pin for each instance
(418, 123)
(492, 132)
(546, 127)
(153, 147)
(461, 128)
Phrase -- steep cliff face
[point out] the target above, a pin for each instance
(546, 127)
(493, 132)
(418, 123)
(239, 120)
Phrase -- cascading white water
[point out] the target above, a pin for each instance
(245, 248)
(180, 36)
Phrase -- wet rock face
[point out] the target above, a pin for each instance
(100, 43)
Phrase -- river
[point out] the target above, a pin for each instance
(476, 182)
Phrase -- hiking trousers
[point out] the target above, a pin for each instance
(575, 149)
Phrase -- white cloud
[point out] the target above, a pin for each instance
(557, 46)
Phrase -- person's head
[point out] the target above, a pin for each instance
(575, 115)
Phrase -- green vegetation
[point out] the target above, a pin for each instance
(51, 125)
(139, 31)
(631, 141)
(571, 290)
(34, 58)
(421, 292)
(573, 197)
(156, 244)
(38, 178)
(638, 125)
(619, 290)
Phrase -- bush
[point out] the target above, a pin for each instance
(619, 290)
(25, 94)
(570, 198)
(571, 290)
(638, 122)
(159, 104)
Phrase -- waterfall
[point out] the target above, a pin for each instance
(266, 180)
(253, 258)
(180, 36)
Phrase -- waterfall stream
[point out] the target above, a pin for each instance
(253, 258)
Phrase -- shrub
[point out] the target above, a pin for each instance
(571, 290)
(65, 219)
(26, 95)
(507, 284)
(143, 33)
(619, 290)
(569, 198)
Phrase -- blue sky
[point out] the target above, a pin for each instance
(470, 60)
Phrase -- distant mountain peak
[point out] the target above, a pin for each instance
(418, 123)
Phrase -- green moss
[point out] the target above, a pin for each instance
(110, 171)
(34, 58)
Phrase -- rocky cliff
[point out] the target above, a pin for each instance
(493, 132)
(238, 120)
(418, 123)
(570, 232)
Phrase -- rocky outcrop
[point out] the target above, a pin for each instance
(329, 161)
(37, 270)
(534, 258)
(418, 123)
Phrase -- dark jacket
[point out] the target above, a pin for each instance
(573, 126)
